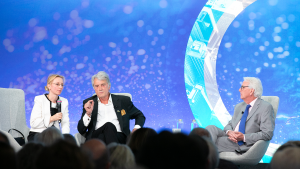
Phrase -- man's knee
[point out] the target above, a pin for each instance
(214, 130)
(210, 127)
(109, 124)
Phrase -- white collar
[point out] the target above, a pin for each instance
(253, 102)
(109, 99)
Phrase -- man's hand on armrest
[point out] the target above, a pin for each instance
(135, 128)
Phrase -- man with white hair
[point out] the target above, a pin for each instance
(106, 116)
(253, 120)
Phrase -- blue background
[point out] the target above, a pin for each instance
(142, 44)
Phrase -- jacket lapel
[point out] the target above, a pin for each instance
(240, 114)
(95, 112)
(117, 106)
(47, 105)
(253, 110)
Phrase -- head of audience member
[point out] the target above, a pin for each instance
(99, 153)
(27, 155)
(139, 137)
(213, 156)
(49, 136)
(224, 164)
(287, 156)
(251, 89)
(200, 132)
(62, 155)
(70, 138)
(3, 138)
(7, 156)
(168, 150)
(289, 144)
(120, 156)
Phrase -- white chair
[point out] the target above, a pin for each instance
(257, 151)
(12, 112)
(80, 139)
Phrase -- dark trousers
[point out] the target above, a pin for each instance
(31, 136)
(108, 134)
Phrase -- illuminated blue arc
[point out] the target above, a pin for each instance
(200, 60)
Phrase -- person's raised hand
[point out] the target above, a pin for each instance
(89, 106)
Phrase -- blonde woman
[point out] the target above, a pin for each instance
(45, 112)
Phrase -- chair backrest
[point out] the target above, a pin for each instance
(123, 94)
(273, 100)
(12, 111)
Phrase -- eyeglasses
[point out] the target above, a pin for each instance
(242, 87)
(57, 84)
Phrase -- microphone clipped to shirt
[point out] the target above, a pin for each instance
(58, 102)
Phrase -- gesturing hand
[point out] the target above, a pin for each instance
(89, 106)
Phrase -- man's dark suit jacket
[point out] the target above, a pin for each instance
(120, 103)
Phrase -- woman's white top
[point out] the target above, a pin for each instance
(40, 115)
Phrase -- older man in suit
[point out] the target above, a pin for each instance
(253, 120)
(106, 116)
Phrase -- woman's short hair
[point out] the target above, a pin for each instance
(120, 156)
(49, 136)
(255, 84)
(101, 76)
(51, 78)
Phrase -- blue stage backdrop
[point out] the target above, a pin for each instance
(147, 48)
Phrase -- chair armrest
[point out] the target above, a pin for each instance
(80, 139)
(250, 157)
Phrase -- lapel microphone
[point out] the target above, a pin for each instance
(242, 112)
(58, 103)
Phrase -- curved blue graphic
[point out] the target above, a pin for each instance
(200, 62)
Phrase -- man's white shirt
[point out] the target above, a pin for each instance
(106, 113)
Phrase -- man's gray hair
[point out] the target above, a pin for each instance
(101, 76)
(255, 84)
